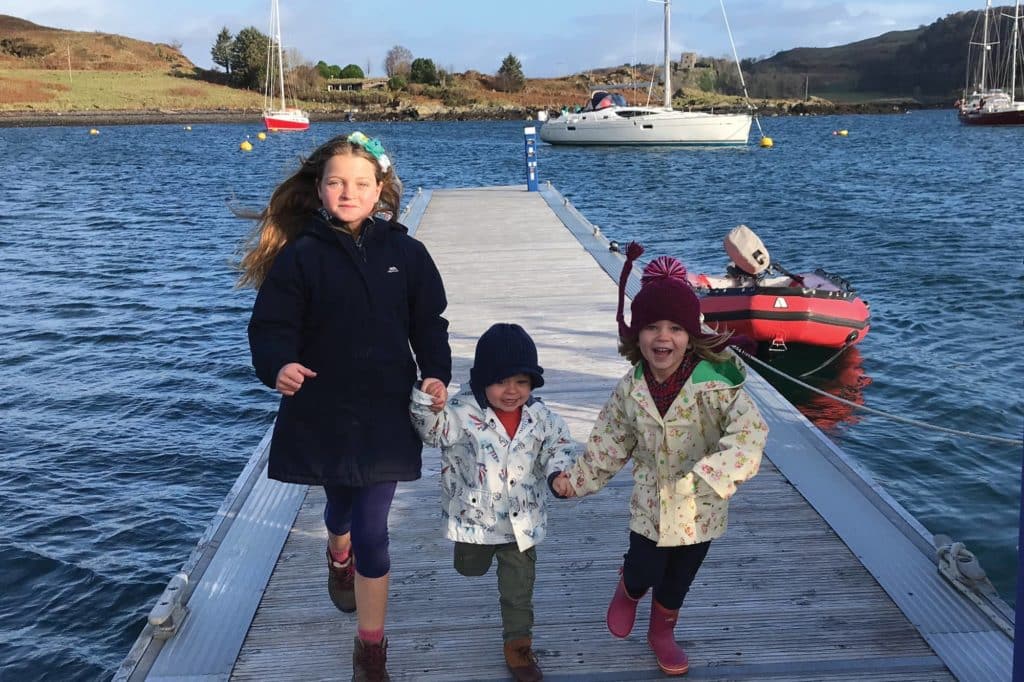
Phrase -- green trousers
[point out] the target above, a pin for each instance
(516, 573)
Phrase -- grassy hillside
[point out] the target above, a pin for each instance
(50, 90)
(24, 45)
(928, 63)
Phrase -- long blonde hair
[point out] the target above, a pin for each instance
(295, 200)
(703, 346)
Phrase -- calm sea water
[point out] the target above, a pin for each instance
(129, 407)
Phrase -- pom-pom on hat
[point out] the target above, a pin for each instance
(664, 294)
(503, 351)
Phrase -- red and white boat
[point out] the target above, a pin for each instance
(773, 306)
(285, 119)
(277, 115)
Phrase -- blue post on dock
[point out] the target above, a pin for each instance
(530, 137)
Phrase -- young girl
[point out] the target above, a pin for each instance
(498, 449)
(693, 433)
(343, 293)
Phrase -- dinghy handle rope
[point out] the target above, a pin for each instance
(739, 70)
(968, 434)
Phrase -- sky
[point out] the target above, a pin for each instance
(549, 37)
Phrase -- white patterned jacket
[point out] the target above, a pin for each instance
(494, 488)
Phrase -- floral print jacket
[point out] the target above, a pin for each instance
(494, 488)
(687, 464)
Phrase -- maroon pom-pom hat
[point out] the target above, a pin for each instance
(664, 294)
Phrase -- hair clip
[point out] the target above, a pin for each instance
(373, 146)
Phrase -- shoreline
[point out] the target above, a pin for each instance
(35, 119)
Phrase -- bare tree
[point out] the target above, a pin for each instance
(398, 61)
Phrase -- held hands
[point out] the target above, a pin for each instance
(561, 485)
(291, 377)
(438, 391)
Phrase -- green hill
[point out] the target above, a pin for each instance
(927, 63)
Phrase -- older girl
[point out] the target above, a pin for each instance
(343, 293)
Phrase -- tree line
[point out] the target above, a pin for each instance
(243, 58)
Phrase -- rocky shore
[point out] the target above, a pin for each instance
(35, 118)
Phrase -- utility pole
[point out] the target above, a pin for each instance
(69, 62)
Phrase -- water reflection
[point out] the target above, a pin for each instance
(844, 378)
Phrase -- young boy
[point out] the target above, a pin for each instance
(498, 450)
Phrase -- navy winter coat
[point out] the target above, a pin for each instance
(349, 312)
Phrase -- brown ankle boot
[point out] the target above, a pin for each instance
(341, 583)
(521, 661)
(369, 661)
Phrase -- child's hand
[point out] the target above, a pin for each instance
(291, 377)
(436, 389)
(561, 485)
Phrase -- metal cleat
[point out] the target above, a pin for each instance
(169, 612)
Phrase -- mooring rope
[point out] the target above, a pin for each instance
(968, 434)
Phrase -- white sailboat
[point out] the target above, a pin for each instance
(993, 99)
(277, 115)
(608, 119)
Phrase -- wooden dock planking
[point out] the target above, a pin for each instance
(779, 597)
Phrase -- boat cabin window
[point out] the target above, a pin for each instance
(601, 99)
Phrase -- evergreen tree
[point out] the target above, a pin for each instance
(221, 50)
(423, 71)
(327, 71)
(510, 75)
(249, 59)
(351, 71)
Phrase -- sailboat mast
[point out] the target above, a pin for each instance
(985, 46)
(668, 59)
(1016, 44)
(280, 53)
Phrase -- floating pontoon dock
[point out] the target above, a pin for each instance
(821, 576)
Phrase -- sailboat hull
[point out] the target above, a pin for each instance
(996, 118)
(285, 121)
(634, 126)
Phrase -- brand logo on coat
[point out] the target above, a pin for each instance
(392, 269)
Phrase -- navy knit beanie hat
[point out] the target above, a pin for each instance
(503, 351)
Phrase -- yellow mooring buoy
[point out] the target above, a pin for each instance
(767, 142)
(93, 131)
(246, 146)
(261, 135)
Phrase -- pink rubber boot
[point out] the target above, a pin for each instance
(660, 635)
(622, 611)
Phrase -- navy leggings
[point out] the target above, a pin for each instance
(364, 512)
(669, 570)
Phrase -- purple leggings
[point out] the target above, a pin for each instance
(364, 512)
